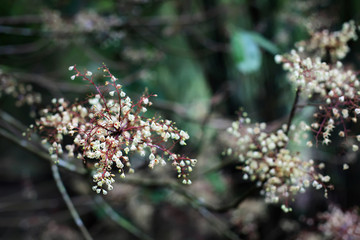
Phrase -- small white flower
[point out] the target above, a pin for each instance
(355, 147)
(131, 117)
(326, 179)
(71, 68)
(278, 58)
(345, 113)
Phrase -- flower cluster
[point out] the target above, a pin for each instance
(266, 160)
(23, 93)
(339, 224)
(326, 43)
(109, 127)
(334, 88)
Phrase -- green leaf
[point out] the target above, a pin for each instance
(264, 43)
(246, 52)
(217, 182)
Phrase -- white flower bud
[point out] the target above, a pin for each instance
(355, 147)
(278, 58)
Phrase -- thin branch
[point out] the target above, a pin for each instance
(121, 221)
(235, 202)
(12, 121)
(24, 19)
(30, 146)
(40, 153)
(293, 110)
(22, 48)
(70, 205)
(215, 168)
(17, 31)
(16, 204)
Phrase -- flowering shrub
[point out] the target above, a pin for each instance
(332, 89)
(284, 159)
(335, 89)
(108, 127)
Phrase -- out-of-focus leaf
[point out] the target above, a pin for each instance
(158, 195)
(246, 52)
(217, 182)
(104, 5)
(264, 43)
(180, 79)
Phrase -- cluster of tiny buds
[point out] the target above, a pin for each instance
(108, 127)
(333, 43)
(265, 159)
(316, 78)
(23, 93)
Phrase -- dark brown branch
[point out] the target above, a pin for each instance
(293, 110)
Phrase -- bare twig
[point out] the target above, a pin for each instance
(17, 31)
(293, 110)
(41, 153)
(121, 221)
(22, 48)
(30, 146)
(24, 19)
(69, 204)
